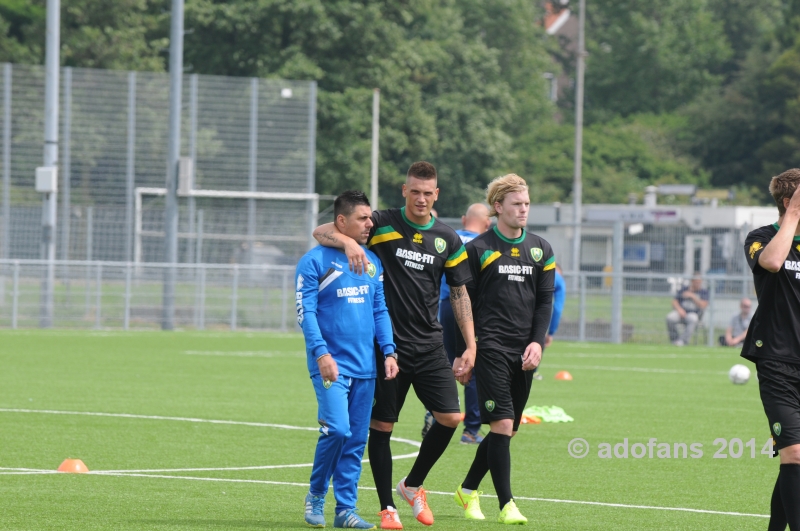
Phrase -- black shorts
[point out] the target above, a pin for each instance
(779, 384)
(432, 377)
(503, 387)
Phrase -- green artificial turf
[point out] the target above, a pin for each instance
(619, 391)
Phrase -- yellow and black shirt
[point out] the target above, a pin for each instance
(773, 332)
(509, 280)
(414, 258)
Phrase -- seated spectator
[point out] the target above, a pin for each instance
(688, 307)
(737, 330)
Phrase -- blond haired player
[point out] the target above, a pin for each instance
(513, 275)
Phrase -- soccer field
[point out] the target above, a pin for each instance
(216, 431)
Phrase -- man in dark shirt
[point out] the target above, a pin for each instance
(513, 274)
(773, 339)
(687, 309)
(415, 249)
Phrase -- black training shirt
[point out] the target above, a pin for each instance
(507, 276)
(774, 332)
(414, 257)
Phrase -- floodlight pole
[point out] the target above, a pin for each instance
(52, 64)
(376, 110)
(173, 154)
(577, 186)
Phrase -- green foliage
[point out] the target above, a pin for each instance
(688, 91)
(452, 90)
(620, 157)
(650, 55)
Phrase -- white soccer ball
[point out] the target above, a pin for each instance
(739, 374)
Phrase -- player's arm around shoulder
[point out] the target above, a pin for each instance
(383, 322)
(328, 235)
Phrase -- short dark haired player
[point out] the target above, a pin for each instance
(415, 249)
(513, 277)
(773, 339)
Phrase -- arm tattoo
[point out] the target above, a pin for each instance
(462, 306)
(328, 235)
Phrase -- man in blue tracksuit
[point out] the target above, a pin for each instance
(342, 316)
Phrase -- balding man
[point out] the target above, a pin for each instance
(476, 221)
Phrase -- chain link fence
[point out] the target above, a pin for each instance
(244, 135)
(97, 294)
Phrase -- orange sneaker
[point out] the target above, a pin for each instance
(418, 499)
(390, 519)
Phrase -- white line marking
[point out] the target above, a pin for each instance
(158, 417)
(639, 356)
(189, 419)
(247, 353)
(550, 500)
(638, 369)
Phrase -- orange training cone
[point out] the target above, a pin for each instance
(563, 375)
(73, 466)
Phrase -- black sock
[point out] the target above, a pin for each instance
(499, 458)
(433, 446)
(789, 480)
(380, 460)
(777, 515)
(479, 468)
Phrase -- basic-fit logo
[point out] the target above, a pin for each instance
(776, 428)
(371, 270)
(536, 254)
(490, 405)
(417, 238)
(514, 252)
(754, 248)
(440, 245)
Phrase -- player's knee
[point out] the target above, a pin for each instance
(692, 318)
(673, 317)
(380, 425)
(336, 432)
(451, 420)
(502, 426)
(791, 455)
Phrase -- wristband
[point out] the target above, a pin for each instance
(326, 354)
(392, 355)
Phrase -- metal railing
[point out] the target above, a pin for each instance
(606, 306)
(126, 295)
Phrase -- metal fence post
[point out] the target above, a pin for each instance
(313, 209)
(284, 300)
(582, 310)
(199, 242)
(202, 318)
(98, 294)
(617, 282)
(15, 296)
(251, 203)
(89, 243)
(235, 295)
(130, 166)
(127, 314)
(190, 249)
(6, 161)
(66, 197)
